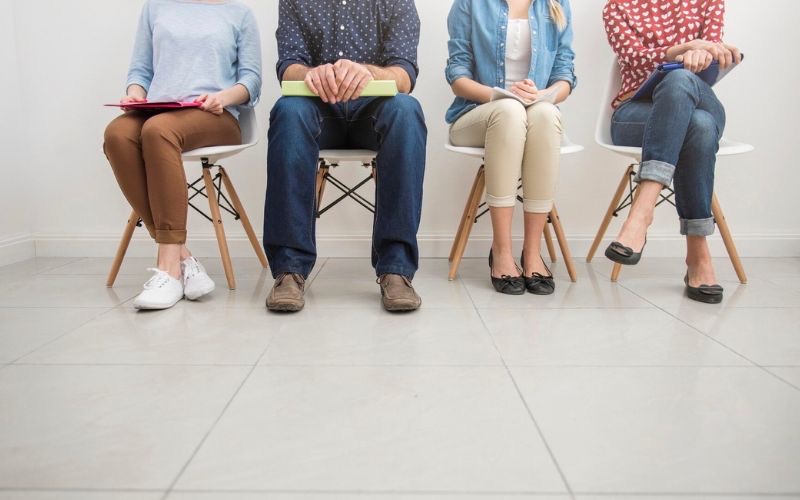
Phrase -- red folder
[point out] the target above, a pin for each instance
(157, 105)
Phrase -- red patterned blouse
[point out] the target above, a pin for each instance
(641, 32)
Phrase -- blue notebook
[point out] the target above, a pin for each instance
(711, 75)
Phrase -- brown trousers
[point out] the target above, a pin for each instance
(144, 150)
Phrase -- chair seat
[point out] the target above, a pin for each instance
(215, 153)
(342, 155)
(727, 147)
(567, 147)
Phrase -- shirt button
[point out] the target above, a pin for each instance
(341, 53)
(344, 2)
(341, 27)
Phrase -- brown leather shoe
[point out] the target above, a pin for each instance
(398, 293)
(287, 293)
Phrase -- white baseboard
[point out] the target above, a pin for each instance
(16, 249)
(431, 246)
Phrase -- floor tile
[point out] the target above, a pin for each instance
(66, 291)
(35, 266)
(766, 336)
(789, 374)
(106, 427)
(436, 293)
(688, 497)
(669, 293)
(189, 333)
(376, 337)
(675, 268)
(601, 337)
(382, 429)
(244, 267)
(586, 293)
(660, 430)
(360, 495)
(24, 329)
(79, 495)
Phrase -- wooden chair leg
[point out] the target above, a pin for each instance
(617, 268)
(127, 234)
(248, 228)
(727, 238)
(610, 213)
(562, 242)
(463, 221)
(471, 211)
(615, 272)
(551, 248)
(322, 172)
(219, 229)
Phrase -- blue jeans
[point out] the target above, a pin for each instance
(679, 132)
(299, 128)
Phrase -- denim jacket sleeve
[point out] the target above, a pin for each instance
(140, 71)
(460, 61)
(564, 65)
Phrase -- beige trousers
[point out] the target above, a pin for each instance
(519, 142)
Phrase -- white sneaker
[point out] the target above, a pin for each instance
(162, 291)
(196, 282)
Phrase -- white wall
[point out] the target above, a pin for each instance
(77, 53)
(16, 219)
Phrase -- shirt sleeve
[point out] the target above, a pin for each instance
(460, 58)
(248, 45)
(401, 39)
(564, 64)
(714, 21)
(140, 71)
(634, 57)
(292, 47)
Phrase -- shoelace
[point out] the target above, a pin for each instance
(192, 268)
(159, 280)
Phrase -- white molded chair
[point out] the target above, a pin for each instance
(603, 138)
(332, 158)
(474, 205)
(212, 189)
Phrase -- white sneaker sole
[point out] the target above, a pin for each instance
(202, 292)
(152, 306)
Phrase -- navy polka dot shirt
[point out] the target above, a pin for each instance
(378, 32)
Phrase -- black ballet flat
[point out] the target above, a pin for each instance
(707, 294)
(508, 285)
(619, 253)
(538, 284)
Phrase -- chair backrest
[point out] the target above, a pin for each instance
(602, 133)
(248, 124)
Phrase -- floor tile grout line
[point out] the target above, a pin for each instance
(715, 340)
(520, 395)
(214, 424)
(59, 337)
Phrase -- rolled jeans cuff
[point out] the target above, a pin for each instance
(501, 201)
(171, 236)
(697, 227)
(654, 170)
(537, 206)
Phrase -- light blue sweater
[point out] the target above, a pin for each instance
(185, 49)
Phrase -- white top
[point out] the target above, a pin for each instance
(518, 51)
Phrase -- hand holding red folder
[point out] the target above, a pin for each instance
(155, 105)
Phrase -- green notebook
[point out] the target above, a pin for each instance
(375, 88)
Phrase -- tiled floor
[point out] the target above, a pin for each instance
(600, 391)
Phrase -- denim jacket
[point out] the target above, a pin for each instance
(477, 47)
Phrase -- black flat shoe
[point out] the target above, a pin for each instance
(538, 284)
(707, 294)
(619, 253)
(508, 285)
